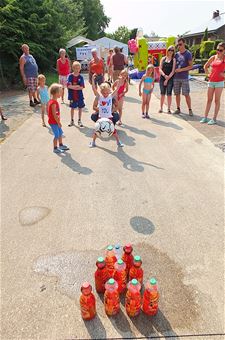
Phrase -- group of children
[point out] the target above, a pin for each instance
(108, 102)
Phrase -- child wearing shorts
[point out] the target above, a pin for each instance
(54, 118)
(75, 85)
(43, 97)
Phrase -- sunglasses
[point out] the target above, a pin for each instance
(218, 50)
(169, 50)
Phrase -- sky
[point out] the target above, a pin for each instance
(164, 17)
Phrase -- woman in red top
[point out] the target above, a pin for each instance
(216, 82)
(63, 69)
(96, 66)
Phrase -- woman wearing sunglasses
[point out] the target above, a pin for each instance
(167, 69)
(216, 82)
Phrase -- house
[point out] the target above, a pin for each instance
(215, 26)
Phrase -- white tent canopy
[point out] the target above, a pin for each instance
(110, 43)
(77, 40)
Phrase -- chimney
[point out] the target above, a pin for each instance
(216, 14)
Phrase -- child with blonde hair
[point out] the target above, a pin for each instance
(43, 97)
(104, 109)
(54, 118)
(148, 80)
(123, 89)
(75, 85)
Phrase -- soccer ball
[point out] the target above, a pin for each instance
(104, 127)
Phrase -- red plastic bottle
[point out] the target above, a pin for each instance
(120, 275)
(133, 298)
(136, 272)
(128, 257)
(111, 298)
(101, 275)
(87, 302)
(110, 260)
(150, 297)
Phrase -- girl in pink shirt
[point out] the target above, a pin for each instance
(123, 89)
(216, 82)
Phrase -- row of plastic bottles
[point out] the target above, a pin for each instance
(111, 278)
(133, 301)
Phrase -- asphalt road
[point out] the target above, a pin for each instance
(163, 192)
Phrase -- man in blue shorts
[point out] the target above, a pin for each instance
(183, 65)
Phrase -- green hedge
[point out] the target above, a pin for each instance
(195, 50)
(216, 43)
(205, 48)
(213, 52)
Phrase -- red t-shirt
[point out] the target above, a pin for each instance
(63, 69)
(97, 67)
(217, 67)
(51, 119)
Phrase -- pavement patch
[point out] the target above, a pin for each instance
(32, 215)
(142, 225)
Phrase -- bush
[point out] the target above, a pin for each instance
(205, 48)
(216, 43)
(211, 53)
(195, 50)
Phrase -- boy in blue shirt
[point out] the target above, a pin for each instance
(75, 85)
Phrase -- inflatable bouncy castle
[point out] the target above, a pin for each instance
(147, 52)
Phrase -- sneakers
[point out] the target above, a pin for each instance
(120, 144)
(36, 102)
(57, 150)
(204, 120)
(212, 122)
(71, 123)
(160, 111)
(3, 117)
(92, 145)
(32, 103)
(147, 116)
(63, 147)
(80, 123)
(143, 115)
(177, 111)
(190, 112)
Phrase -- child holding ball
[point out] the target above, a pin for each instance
(105, 98)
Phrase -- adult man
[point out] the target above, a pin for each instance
(183, 65)
(96, 66)
(118, 61)
(29, 73)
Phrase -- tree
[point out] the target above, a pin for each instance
(205, 36)
(95, 19)
(45, 25)
(122, 34)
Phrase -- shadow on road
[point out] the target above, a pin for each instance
(95, 328)
(129, 163)
(166, 124)
(151, 326)
(132, 100)
(121, 324)
(67, 159)
(139, 132)
(142, 225)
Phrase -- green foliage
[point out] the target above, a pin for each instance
(205, 48)
(213, 52)
(94, 18)
(195, 50)
(122, 34)
(45, 25)
(216, 42)
(205, 36)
